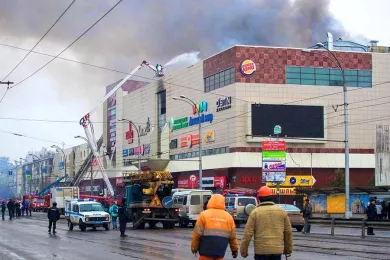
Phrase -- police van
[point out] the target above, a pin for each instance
(86, 213)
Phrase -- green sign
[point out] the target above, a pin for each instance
(274, 155)
(28, 177)
(179, 123)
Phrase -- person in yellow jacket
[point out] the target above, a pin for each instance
(213, 231)
(271, 227)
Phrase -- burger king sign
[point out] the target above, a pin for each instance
(247, 67)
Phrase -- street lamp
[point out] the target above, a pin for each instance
(346, 141)
(63, 153)
(39, 168)
(192, 103)
(24, 179)
(139, 140)
(85, 139)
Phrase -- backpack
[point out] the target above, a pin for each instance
(115, 210)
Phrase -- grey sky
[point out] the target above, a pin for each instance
(134, 31)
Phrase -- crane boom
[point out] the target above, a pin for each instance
(86, 122)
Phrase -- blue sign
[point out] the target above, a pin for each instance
(125, 153)
(28, 172)
(44, 170)
(203, 118)
(10, 172)
(167, 202)
(293, 180)
(61, 165)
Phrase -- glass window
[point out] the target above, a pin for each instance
(293, 69)
(205, 197)
(365, 84)
(307, 82)
(350, 78)
(195, 200)
(322, 76)
(364, 73)
(307, 76)
(246, 201)
(232, 80)
(336, 77)
(293, 81)
(91, 207)
(231, 202)
(322, 82)
(350, 72)
(335, 72)
(289, 207)
(335, 83)
(291, 75)
(307, 70)
(365, 79)
(322, 71)
(212, 78)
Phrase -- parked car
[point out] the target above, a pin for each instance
(237, 206)
(294, 215)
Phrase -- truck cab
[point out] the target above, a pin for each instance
(190, 204)
(86, 213)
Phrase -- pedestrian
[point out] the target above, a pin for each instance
(114, 215)
(371, 215)
(11, 207)
(205, 203)
(17, 208)
(22, 206)
(3, 206)
(307, 211)
(123, 216)
(213, 231)
(29, 207)
(271, 228)
(53, 214)
(378, 210)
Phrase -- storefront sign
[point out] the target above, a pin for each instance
(143, 150)
(191, 182)
(173, 144)
(250, 179)
(130, 134)
(207, 182)
(125, 153)
(247, 67)
(189, 141)
(224, 103)
(274, 161)
(297, 181)
(209, 137)
(274, 146)
(201, 108)
(203, 118)
(284, 191)
(146, 130)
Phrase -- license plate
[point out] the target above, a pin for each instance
(98, 222)
(145, 211)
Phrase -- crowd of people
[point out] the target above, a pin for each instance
(16, 208)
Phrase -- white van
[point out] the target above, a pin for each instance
(190, 203)
(240, 207)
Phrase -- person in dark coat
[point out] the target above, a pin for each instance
(11, 208)
(371, 215)
(3, 206)
(17, 209)
(123, 216)
(53, 214)
(205, 203)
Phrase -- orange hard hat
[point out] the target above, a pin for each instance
(264, 191)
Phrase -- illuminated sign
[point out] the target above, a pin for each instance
(247, 67)
(189, 141)
(130, 134)
(143, 149)
(209, 137)
(146, 130)
(224, 103)
(201, 108)
(283, 191)
(296, 181)
(184, 122)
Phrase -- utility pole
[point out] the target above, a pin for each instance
(92, 175)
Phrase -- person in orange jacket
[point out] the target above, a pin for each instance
(213, 231)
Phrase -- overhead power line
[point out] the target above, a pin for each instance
(67, 47)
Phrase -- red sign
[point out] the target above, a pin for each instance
(220, 181)
(189, 183)
(119, 182)
(130, 134)
(251, 179)
(274, 146)
(189, 140)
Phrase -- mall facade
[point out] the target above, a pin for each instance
(242, 93)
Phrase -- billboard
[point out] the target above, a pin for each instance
(295, 120)
(274, 161)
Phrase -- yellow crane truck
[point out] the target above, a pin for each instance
(148, 199)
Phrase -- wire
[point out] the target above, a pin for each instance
(20, 62)
(30, 137)
(78, 38)
(5, 93)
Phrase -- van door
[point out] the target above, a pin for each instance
(195, 206)
(241, 204)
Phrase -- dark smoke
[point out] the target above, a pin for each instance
(159, 30)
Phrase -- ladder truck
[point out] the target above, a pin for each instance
(87, 124)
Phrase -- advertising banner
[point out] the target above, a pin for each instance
(274, 161)
(271, 156)
(274, 146)
(336, 203)
(274, 166)
(274, 177)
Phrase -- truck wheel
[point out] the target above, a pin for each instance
(70, 225)
(183, 223)
(94, 228)
(152, 224)
(106, 227)
(82, 226)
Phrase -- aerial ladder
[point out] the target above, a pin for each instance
(87, 124)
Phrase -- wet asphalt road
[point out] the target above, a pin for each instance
(27, 238)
